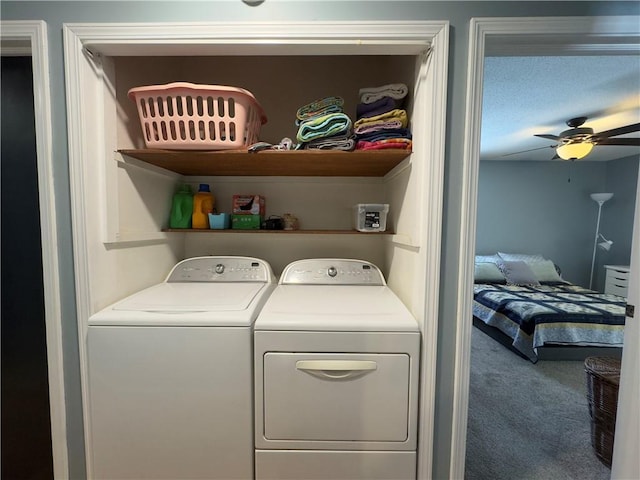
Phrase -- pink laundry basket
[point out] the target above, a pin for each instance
(185, 116)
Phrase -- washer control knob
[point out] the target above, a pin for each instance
(220, 268)
(332, 271)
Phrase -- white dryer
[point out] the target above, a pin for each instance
(336, 376)
(170, 374)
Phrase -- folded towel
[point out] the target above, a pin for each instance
(383, 105)
(325, 126)
(336, 142)
(377, 126)
(385, 134)
(391, 115)
(320, 107)
(397, 143)
(393, 90)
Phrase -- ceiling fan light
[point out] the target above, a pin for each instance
(574, 151)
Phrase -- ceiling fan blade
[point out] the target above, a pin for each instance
(525, 151)
(549, 137)
(614, 132)
(630, 142)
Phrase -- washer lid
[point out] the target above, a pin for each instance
(192, 297)
(368, 308)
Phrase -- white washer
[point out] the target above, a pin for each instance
(170, 374)
(336, 369)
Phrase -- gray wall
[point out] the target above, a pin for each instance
(545, 208)
(618, 213)
(458, 13)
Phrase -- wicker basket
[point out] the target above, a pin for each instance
(603, 381)
(185, 116)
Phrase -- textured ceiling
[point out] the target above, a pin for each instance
(535, 94)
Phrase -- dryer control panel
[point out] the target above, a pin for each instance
(221, 269)
(332, 271)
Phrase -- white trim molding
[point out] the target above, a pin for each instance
(497, 36)
(35, 33)
(431, 240)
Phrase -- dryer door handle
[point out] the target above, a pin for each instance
(336, 369)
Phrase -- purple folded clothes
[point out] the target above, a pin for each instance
(385, 104)
(385, 134)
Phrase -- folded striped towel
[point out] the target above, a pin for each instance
(393, 90)
(377, 126)
(391, 115)
(325, 126)
(397, 143)
(335, 142)
(320, 107)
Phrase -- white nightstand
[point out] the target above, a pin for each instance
(617, 280)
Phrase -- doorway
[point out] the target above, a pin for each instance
(25, 397)
(29, 39)
(609, 35)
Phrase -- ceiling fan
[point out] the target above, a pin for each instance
(578, 141)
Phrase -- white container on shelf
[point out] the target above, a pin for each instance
(370, 217)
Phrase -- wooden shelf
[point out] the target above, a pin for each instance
(370, 163)
(281, 232)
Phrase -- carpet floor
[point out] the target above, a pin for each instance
(527, 421)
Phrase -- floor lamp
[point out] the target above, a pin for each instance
(600, 198)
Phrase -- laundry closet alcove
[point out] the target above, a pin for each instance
(120, 204)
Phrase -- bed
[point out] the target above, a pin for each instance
(525, 298)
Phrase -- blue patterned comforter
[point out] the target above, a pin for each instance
(558, 313)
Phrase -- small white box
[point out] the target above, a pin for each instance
(371, 217)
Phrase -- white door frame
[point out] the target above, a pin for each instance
(29, 38)
(625, 465)
(516, 36)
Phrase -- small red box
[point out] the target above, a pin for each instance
(248, 205)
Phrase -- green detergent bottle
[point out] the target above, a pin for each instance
(181, 208)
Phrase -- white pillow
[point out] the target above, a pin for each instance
(521, 257)
(488, 259)
(486, 272)
(545, 271)
(518, 273)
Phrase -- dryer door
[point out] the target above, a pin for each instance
(329, 397)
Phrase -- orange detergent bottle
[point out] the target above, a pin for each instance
(203, 205)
